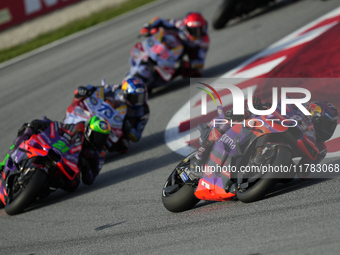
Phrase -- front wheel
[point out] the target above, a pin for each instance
(22, 195)
(257, 189)
(176, 195)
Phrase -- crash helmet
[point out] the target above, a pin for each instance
(325, 118)
(134, 91)
(97, 131)
(195, 25)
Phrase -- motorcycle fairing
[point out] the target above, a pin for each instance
(212, 189)
(3, 192)
(229, 150)
(137, 52)
(164, 56)
(49, 142)
(68, 168)
(96, 105)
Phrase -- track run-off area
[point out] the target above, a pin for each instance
(122, 212)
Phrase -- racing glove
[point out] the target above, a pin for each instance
(37, 126)
(83, 92)
(145, 31)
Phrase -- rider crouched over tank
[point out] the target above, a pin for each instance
(132, 93)
(324, 118)
(91, 135)
(193, 33)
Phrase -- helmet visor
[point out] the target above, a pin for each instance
(136, 99)
(98, 139)
(195, 31)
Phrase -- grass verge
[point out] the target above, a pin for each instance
(71, 28)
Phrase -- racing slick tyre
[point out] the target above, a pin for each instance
(224, 13)
(27, 192)
(176, 195)
(265, 184)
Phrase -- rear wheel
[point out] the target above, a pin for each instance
(176, 195)
(21, 194)
(255, 187)
(224, 13)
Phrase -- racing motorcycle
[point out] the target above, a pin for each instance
(156, 59)
(242, 147)
(96, 105)
(230, 9)
(38, 166)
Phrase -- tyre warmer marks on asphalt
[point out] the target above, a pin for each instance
(312, 51)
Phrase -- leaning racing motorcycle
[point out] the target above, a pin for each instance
(98, 106)
(38, 166)
(242, 147)
(156, 59)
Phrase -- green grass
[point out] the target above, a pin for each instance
(71, 28)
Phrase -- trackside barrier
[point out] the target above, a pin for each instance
(13, 12)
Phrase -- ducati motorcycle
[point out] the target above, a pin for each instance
(156, 59)
(261, 141)
(96, 105)
(38, 166)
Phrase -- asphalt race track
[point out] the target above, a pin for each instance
(122, 212)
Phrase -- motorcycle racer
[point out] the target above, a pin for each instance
(132, 94)
(192, 31)
(91, 136)
(324, 119)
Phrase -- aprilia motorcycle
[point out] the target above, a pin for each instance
(38, 166)
(230, 9)
(243, 147)
(96, 105)
(156, 59)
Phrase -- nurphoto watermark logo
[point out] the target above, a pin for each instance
(238, 99)
(258, 115)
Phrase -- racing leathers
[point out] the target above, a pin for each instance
(135, 119)
(196, 50)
